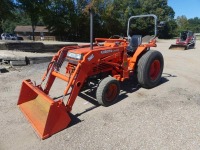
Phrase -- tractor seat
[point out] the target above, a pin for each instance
(183, 38)
(135, 41)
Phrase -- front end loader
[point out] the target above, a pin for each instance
(186, 40)
(104, 63)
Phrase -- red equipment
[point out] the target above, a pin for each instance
(104, 64)
(186, 40)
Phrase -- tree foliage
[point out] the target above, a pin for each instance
(19, 18)
(164, 13)
(168, 30)
(69, 19)
(6, 8)
(194, 24)
(113, 15)
(182, 23)
(33, 10)
(60, 17)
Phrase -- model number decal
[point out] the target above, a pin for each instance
(90, 57)
(109, 51)
(116, 50)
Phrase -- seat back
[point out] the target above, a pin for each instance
(135, 41)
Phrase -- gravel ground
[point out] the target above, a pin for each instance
(165, 117)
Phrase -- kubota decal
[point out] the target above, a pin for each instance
(106, 51)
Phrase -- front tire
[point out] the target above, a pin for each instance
(193, 46)
(150, 68)
(108, 91)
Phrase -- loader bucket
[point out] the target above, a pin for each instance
(178, 47)
(45, 115)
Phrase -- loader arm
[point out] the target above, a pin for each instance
(46, 115)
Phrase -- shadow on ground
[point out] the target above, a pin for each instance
(128, 86)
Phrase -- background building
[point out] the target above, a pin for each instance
(41, 33)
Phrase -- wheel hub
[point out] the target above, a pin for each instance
(111, 92)
(154, 69)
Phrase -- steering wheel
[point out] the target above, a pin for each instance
(116, 37)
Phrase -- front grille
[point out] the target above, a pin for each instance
(72, 61)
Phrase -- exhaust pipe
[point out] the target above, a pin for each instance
(91, 29)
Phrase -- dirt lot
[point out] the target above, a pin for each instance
(165, 117)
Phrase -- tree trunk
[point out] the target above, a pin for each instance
(33, 32)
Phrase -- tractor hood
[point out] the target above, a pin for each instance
(82, 51)
(79, 53)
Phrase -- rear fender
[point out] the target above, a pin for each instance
(136, 56)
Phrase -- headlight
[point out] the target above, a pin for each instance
(74, 55)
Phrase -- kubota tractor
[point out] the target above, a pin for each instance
(186, 40)
(104, 64)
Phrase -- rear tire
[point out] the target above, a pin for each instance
(108, 91)
(150, 68)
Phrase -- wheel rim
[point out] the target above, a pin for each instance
(154, 69)
(111, 92)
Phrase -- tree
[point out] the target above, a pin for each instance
(69, 19)
(164, 13)
(157, 7)
(60, 17)
(33, 9)
(6, 8)
(168, 30)
(182, 23)
(194, 24)
(112, 15)
(20, 18)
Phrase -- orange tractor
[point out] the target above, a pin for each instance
(104, 63)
